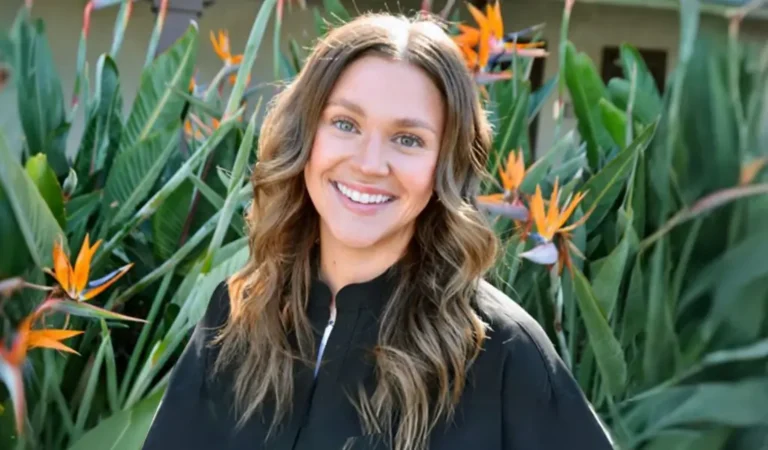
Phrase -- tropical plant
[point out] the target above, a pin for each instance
(159, 190)
(635, 239)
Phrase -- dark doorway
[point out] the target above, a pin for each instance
(656, 60)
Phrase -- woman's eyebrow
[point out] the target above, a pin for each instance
(352, 106)
(410, 122)
(405, 122)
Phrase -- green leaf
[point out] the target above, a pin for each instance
(608, 353)
(631, 59)
(79, 211)
(604, 187)
(104, 127)
(540, 97)
(13, 241)
(587, 88)
(42, 176)
(537, 171)
(615, 121)
(168, 221)
(690, 440)
(121, 22)
(249, 56)
(135, 171)
(40, 99)
(337, 11)
(644, 110)
(737, 404)
(38, 226)
(510, 136)
(661, 349)
(730, 277)
(83, 309)
(607, 280)
(156, 105)
(738, 266)
(125, 430)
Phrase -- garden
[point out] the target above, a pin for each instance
(638, 239)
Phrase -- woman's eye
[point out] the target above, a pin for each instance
(410, 141)
(344, 125)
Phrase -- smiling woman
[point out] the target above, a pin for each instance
(361, 320)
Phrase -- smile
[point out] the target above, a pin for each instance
(362, 198)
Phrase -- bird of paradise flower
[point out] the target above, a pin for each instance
(509, 202)
(221, 47)
(69, 296)
(487, 44)
(14, 353)
(552, 235)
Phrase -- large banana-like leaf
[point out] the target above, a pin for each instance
(104, 127)
(644, 110)
(738, 404)
(632, 64)
(41, 102)
(135, 171)
(38, 226)
(156, 105)
(125, 430)
(604, 187)
(586, 90)
(608, 352)
(41, 174)
(13, 241)
(168, 222)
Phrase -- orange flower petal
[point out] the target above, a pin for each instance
(98, 286)
(224, 42)
(83, 264)
(495, 23)
(553, 213)
(484, 50)
(538, 214)
(569, 210)
(518, 171)
(477, 15)
(51, 339)
(216, 48)
(62, 268)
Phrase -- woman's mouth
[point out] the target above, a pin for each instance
(362, 198)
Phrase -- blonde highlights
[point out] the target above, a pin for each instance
(429, 331)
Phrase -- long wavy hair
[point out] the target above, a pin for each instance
(429, 331)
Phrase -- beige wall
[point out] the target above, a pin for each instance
(592, 27)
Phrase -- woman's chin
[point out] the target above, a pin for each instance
(358, 241)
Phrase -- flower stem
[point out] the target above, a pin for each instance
(556, 294)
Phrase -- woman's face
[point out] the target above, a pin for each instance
(372, 164)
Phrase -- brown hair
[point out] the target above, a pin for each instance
(429, 332)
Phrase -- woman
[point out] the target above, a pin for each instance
(365, 249)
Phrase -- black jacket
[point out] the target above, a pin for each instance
(519, 394)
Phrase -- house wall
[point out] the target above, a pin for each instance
(593, 26)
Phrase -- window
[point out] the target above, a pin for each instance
(656, 60)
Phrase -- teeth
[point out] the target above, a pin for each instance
(360, 197)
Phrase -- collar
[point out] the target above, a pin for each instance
(369, 295)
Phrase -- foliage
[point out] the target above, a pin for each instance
(649, 273)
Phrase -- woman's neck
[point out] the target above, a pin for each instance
(341, 265)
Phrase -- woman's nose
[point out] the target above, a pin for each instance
(372, 157)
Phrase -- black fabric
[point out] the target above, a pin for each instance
(519, 395)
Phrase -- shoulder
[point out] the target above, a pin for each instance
(543, 405)
(215, 316)
(217, 310)
(512, 330)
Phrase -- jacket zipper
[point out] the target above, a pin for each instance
(326, 336)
